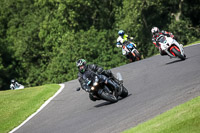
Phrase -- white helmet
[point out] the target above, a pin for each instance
(155, 30)
(12, 81)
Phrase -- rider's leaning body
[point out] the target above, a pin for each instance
(122, 38)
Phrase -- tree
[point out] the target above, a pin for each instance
(40, 40)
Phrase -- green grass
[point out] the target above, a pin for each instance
(193, 43)
(17, 105)
(184, 118)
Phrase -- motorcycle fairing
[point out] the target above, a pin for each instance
(167, 43)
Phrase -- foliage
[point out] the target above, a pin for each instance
(40, 40)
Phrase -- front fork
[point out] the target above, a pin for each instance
(177, 45)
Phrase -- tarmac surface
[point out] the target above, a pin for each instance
(155, 85)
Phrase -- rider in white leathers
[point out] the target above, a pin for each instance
(122, 38)
(15, 85)
(156, 33)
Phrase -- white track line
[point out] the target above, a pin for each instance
(43, 105)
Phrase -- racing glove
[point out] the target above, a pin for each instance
(119, 44)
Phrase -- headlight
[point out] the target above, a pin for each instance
(92, 88)
(95, 84)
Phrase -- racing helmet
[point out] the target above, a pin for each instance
(121, 33)
(81, 64)
(12, 81)
(155, 30)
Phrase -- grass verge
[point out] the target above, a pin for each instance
(184, 118)
(193, 43)
(17, 105)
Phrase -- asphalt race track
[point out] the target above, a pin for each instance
(155, 85)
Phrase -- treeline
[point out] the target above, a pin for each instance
(40, 40)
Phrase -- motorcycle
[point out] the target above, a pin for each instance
(16, 87)
(171, 47)
(129, 50)
(101, 91)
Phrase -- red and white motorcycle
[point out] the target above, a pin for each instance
(171, 47)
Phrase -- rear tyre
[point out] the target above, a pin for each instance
(124, 92)
(177, 53)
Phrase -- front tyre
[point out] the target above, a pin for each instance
(178, 53)
(108, 97)
(137, 55)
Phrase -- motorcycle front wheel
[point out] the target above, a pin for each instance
(108, 97)
(178, 53)
(137, 55)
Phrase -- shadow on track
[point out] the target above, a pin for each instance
(109, 103)
(175, 61)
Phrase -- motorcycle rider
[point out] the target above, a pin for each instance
(156, 33)
(14, 84)
(83, 67)
(122, 38)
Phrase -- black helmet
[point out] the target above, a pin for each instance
(81, 64)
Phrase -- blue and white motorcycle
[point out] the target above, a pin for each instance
(130, 51)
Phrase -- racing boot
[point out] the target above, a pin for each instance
(113, 84)
(107, 90)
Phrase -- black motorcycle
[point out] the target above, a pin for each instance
(101, 91)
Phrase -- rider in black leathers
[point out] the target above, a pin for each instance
(104, 76)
